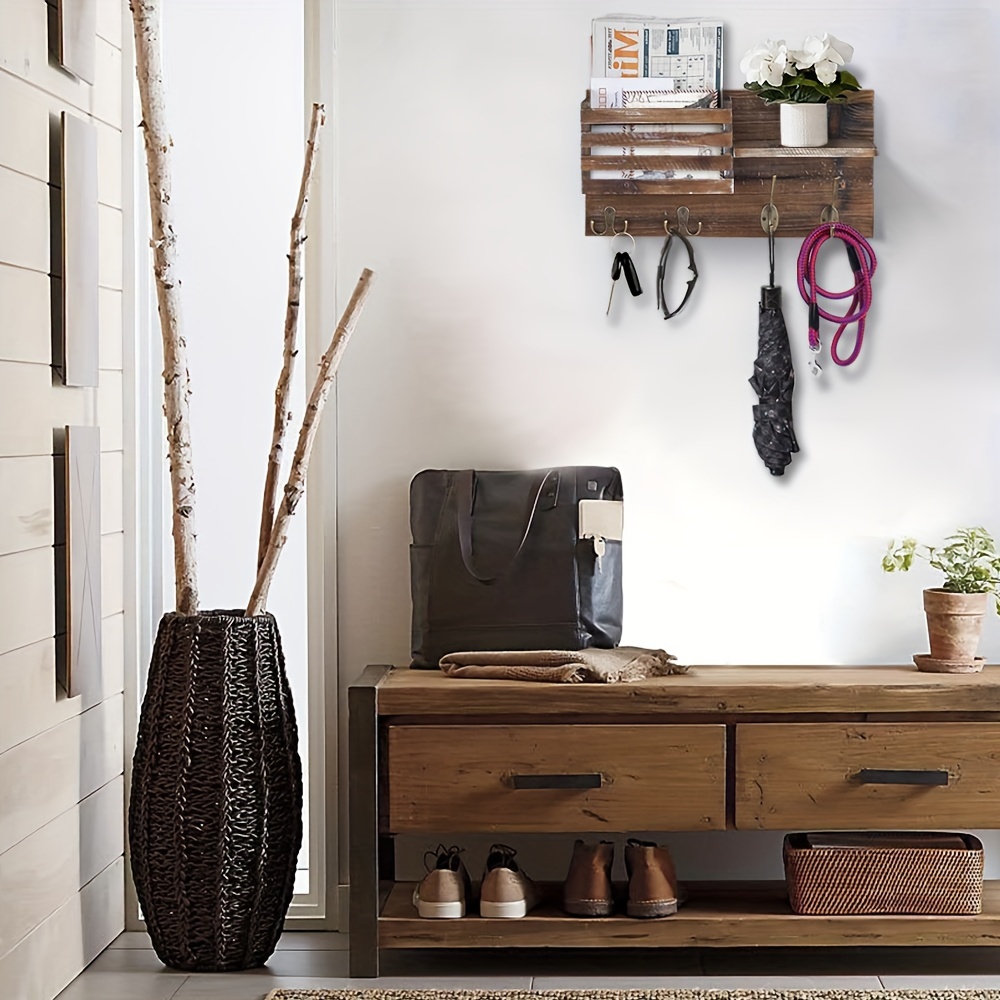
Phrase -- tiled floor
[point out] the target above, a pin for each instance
(129, 970)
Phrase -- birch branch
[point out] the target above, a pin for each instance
(296, 484)
(176, 383)
(282, 413)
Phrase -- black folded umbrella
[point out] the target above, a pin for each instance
(773, 380)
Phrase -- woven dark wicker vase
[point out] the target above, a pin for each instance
(215, 818)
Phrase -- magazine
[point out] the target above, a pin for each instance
(686, 52)
(639, 93)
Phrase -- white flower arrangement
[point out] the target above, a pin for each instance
(812, 74)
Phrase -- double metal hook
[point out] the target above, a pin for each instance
(830, 213)
(682, 229)
(609, 225)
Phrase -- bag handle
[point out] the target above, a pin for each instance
(465, 482)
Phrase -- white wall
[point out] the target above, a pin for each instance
(485, 342)
(61, 785)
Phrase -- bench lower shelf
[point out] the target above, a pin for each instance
(717, 915)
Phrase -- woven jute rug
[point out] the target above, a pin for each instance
(370, 994)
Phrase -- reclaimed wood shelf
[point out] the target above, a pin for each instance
(835, 147)
(717, 915)
(749, 156)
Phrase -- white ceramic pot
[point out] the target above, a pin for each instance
(803, 124)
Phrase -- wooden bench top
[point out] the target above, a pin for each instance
(712, 690)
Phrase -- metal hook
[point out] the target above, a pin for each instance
(609, 224)
(830, 213)
(683, 217)
(769, 213)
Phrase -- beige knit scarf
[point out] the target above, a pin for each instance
(605, 666)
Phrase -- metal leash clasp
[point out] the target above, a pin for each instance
(814, 366)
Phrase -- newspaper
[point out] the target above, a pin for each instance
(684, 152)
(687, 52)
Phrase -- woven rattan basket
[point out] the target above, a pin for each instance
(215, 817)
(885, 872)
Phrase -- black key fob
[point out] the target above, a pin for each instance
(631, 277)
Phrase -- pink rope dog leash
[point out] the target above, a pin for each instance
(863, 264)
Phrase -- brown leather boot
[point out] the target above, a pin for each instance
(587, 890)
(652, 882)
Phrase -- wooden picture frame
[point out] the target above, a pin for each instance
(80, 575)
(79, 319)
(76, 46)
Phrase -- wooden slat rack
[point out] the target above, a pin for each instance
(808, 180)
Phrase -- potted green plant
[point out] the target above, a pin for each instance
(803, 81)
(971, 567)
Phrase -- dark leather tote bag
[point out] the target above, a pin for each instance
(498, 561)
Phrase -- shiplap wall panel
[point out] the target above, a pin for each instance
(109, 165)
(55, 862)
(50, 773)
(109, 224)
(27, 692)
(25, 316)
(112, 495)
(56, 750)
(107, 98)
(31, 406)
(24, 127)
(26, 503)
(27, 582)
(25, 139)
(24, 208)
(109, 21)
(51, 956)
(112, 574)
(24, 52)
(109, 304)
(25, 234)
(110, 413)
(29, 701)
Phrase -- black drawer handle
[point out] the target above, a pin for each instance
(555, 780)
(875, 776)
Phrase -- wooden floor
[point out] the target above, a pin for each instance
(130, 971)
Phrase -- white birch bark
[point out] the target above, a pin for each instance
(296, 484)
(176, 383)
(282, 413)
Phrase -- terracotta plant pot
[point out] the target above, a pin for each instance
(954, 624)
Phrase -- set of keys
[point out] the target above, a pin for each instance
(623, 264)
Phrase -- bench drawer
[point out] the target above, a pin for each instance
(556, 778)
(838, 776)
